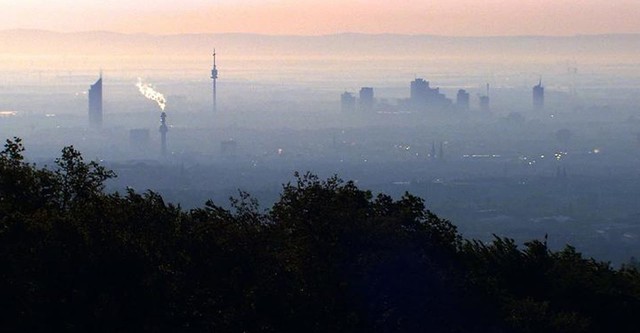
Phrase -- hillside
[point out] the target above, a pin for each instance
(327, 256)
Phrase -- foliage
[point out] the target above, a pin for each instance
(327, 256)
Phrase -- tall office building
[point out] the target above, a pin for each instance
(538, 96)
(424, 97)
(419, 91)
(347, 102)
(366, 99)
(95, 103)
(485, 105)
(462, 100)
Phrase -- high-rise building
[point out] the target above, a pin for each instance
(485, 105)
(95, 103)
(538, 96)
(424, 97)
(462, 100)
(347, 102)
(419, 92)
(366, 99)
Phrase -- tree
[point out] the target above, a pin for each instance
(79, 180)
(327, 256)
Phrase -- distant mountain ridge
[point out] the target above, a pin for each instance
(107, 32)
(105, 42)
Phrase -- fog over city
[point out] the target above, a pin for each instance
(320, 166)
(453, 120)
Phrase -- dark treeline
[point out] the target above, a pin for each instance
(327, 257)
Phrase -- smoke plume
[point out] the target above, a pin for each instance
(147, 91)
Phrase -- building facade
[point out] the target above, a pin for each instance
(366, 99)
(347, 102)
(95, 104)
(462, 100)
(538, 96)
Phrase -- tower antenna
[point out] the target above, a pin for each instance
(214, 77)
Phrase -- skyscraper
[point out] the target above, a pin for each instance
(538, 96)
(462, 100)
(419, 92)
(485, 101)
(423, 97)
(347, 102)
(95, 103)
(366, 99)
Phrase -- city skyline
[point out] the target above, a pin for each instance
(312, 17)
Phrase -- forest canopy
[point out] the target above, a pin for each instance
(327, 256)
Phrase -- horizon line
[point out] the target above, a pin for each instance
(346, 33)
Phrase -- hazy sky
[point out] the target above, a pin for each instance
(304, 17)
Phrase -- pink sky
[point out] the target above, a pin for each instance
(308, 17)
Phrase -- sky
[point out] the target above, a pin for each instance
(316, 17)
